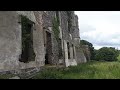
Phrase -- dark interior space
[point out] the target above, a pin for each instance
(48, 56)
(27, 40)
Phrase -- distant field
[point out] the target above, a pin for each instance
(90, 70)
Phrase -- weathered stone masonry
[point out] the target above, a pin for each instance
(49, 46)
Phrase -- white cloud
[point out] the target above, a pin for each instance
(101, 28)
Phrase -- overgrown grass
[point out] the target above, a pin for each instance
(90, 70)
(6, 76)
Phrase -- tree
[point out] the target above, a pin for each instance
(107, 54)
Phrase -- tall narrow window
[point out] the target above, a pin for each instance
(57, 16)
(48, 56)
(68, 50)
(69, 20)
(27, 40)
(60, 48)
(73, 51)
(69, 26)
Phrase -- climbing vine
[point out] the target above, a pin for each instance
(25, 30)
(56, 28)
(56, 31)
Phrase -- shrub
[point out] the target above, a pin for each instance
(107, 54)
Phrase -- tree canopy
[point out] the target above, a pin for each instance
(107, 54)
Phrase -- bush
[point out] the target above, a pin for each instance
(107, 54)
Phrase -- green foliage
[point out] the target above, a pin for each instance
(57, 17)
(27, 39)
(50, 73)
(25, 30)
(56, 28)
(90, 70)
(56, 31)
(6, 76)
(84, 42)
(118, 58)
(107, 54)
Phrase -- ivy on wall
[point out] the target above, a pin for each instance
(56, 24)
(25, 30)
(56, 28)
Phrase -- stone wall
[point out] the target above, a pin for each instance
(68, 36)
(38, 41)
(86, 52)
(64, 25)
(10, 38)
(65, 35)
(80, 55)
(48, 18)
(11, 42)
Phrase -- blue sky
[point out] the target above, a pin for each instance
(101, 28)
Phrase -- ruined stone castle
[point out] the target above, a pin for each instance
(36, 38)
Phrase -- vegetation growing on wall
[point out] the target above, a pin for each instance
(57, 17)
(56, 28)
(56, 24)
(27, 40)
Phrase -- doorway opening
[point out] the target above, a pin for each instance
(48, 56)
(27, 40)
